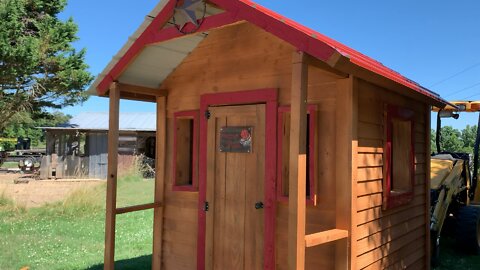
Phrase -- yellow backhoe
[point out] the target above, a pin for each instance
(454, 192)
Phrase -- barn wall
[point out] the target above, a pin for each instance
(396, 237)
(93, 164)
(239, 58)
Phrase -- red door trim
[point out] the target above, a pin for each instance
(269, 97)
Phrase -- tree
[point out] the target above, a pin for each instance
(455, 141)
(24, 124)
(450, 140)
(39, 68)
(469, 134)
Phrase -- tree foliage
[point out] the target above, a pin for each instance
(26, 125)
(39, 67)
(454, 140)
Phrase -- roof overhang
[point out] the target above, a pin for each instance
(157, 48)
(73, 129)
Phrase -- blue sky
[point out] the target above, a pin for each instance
(427, 41)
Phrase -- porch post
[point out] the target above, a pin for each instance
(109, 255)
(159, 182)
(346, 171)
(297, 175)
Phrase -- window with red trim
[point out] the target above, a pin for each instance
(283, 163)
(399, 168)
(185, 150)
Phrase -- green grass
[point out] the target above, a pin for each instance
(70, 235)
(10, 165)
(450, 258)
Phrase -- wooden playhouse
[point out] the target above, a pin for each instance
(277, 147)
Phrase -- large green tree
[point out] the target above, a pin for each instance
(39, 67)
(454, 140)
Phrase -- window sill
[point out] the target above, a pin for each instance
(397, 198)
(185, 188)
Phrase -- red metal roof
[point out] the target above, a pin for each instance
(303, 38)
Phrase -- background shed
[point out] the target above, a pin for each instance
(78, 149)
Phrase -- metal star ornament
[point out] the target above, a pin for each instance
(187, 12)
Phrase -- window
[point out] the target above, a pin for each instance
(185, 151)
(284, 153)
(399, 171)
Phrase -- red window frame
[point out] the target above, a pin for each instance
(311, 109)
(193, 115)
(395, 198)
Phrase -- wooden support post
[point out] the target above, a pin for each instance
(297, 176)
(113, 126)
(159, 182)
(428, 150)
(346, 171)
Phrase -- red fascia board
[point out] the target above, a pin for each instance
(303, 38)
(313, 42)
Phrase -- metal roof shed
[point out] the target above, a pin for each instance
(78, 149)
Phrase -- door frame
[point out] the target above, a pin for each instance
(268, 97)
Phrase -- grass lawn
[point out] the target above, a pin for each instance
(70, 235)
(10, 165)
(450, 258)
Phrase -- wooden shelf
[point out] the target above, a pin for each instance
(316, 239)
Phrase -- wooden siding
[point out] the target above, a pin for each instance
(394, 238)
(238, 58)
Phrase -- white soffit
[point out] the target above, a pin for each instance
(157, 61)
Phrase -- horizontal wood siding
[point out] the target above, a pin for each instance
(395, 238)
(238, 58)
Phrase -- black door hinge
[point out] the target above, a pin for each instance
(207, 114)
(205, 206)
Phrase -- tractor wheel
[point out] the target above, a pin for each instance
(434, 248)
(467, 232)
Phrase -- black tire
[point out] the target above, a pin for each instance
(467, 231)
(434, 248)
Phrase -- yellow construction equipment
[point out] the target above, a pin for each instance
(454, 192)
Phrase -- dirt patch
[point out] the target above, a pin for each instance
(34, 193)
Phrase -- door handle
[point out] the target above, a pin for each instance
(259, 205)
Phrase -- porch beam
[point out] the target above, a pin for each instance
(159, 182)
(329, 65)
(138, 97)
(297, 175)
(142, 90)
(113, 126)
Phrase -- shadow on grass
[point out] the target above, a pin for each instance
(143, 262)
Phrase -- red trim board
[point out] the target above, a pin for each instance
(268, 97)
(391, 199)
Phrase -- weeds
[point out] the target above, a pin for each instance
(8, 205)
